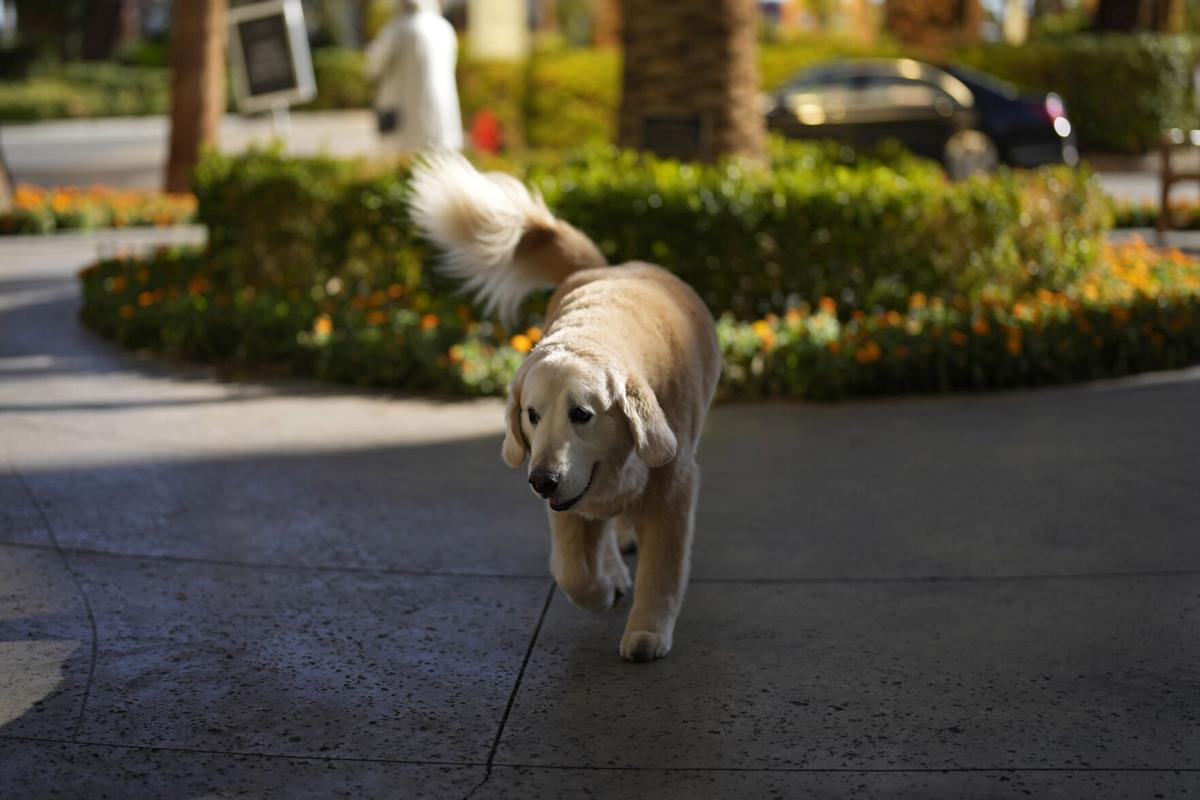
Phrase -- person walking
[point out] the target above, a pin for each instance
(412, 61)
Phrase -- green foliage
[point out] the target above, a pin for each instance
(313, 264)
(1146, 84)
(341, 79)
(823, 221)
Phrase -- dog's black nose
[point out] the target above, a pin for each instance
(543, 482)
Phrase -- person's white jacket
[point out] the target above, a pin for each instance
(412, 60)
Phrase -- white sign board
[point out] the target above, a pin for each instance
(269, 56)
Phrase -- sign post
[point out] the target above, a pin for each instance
(270, 59)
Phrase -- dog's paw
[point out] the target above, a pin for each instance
(644, 645)
(595, 595)
(618, 574)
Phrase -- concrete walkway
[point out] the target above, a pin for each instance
(289, 590)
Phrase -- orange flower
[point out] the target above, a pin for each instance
(323, 325)
(377, 317)
(119, 283)
(827, 305)
(979, 326)
(198, 285)
(1120, 314)
(868, 353)
(917, 300)
(534, 334)
(145, 299)
(429, 322)
(901, 351)
(455, 353)
(793, 316)
(521, 343)
(395, 291)
(958, 337)
(125, 312)
(892, 318)
(835, 347)
(1013, 344)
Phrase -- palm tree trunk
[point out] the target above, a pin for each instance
(690, 83)
(197, 84)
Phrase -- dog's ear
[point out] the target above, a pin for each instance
(515, 448)
(652, 437)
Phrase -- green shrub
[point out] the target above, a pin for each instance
(824, 220)
(748, 240)
(1146, 84)
(341, 79)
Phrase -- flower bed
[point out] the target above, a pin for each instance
(1137, 309)
(37, 210)
(1185, 214)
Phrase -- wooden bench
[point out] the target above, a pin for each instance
(1171, 141)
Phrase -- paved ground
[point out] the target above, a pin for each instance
(210, 588)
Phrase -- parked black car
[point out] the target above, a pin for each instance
(968, 120)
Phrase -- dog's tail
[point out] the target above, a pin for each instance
(498, 237)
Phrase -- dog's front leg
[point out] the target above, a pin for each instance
(664, 556)
(585, 561)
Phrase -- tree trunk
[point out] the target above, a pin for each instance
(934, 24)
(606, 28)
(6, 185)
(107, 24)
(197, 84)
(690, 82)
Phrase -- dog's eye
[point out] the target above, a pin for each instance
(579, 415)
(533, 417)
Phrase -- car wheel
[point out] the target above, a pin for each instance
(968, 152)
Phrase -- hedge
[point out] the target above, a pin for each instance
(1146, 86)
(822, 220)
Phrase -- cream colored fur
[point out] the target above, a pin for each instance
(634, 347)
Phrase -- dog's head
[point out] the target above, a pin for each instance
(579, 423)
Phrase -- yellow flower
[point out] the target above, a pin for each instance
(762, 329)
(323, 326)
(534, 334)
(521, 343)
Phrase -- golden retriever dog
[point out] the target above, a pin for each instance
(607, 407)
